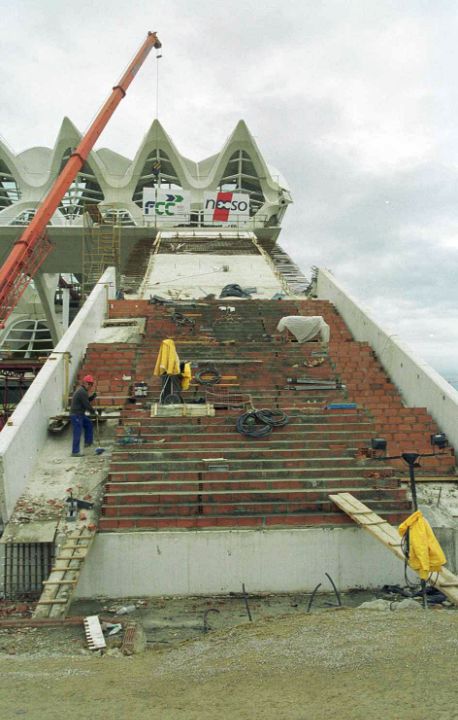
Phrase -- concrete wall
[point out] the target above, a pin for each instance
(419, 384)
(219, 561)
(22, 438)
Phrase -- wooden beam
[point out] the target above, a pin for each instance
(446, 581)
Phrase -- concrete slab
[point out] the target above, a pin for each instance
(34, 532)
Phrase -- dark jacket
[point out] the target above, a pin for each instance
(80, 402)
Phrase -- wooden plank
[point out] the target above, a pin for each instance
(182, 410)
(446, 581)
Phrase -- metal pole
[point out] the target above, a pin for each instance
(411, 459)
(65, 308)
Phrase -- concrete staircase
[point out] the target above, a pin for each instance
(199, 472)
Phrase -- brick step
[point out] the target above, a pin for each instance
(228, 507)
(312, 519)
(346, 446)
(214, 424)
(316, 477)
(192, 485)
(256, 457)
(179, 472)
(211, 495)
(230, 436)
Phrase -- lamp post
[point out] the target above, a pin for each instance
(411, 459)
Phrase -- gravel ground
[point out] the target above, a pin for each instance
(347, 664)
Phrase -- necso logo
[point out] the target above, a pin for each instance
(163, 207)
(223, 204)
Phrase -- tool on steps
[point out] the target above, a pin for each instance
(99, 449)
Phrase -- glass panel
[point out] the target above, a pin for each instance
(9, 191)
(84, 189)
(240, 176)
(158, 171)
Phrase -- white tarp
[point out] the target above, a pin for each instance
(305, 328)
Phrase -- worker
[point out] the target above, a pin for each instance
(81, 403)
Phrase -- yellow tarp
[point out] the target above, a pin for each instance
(167, 361)
(186, 376)
(425, 553)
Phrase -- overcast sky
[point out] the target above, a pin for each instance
(354, 101)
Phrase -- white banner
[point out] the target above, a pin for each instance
(226, 207)
(166, 203)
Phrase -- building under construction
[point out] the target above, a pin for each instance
(280, 457)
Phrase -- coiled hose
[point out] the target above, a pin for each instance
(208, 376)
(276, 418)
(248, 424)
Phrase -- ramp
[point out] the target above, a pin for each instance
(60, 586)
(446, 581)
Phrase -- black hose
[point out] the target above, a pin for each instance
(336, 592)
(247, 425)
(276, 418)
(208, 376)
(312, 597)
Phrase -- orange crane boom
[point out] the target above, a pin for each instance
(30, 250)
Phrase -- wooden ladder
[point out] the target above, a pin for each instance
(60, 586)
(379, 528)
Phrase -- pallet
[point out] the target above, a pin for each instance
(93, 632)
(182, 410)
(379, 528)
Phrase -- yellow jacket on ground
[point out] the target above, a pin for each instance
(167, 361)
(425, 553)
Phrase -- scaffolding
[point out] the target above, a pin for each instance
(101, 244)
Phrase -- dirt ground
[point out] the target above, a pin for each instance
(346, 664)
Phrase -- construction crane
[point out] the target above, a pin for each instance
(33, 246)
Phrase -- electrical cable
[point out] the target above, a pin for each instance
(247, 425)
(276, 418)
(207, 376)
(186, 277)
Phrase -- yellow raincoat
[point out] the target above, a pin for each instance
(186, 376)
(167, 361)
(425, 553)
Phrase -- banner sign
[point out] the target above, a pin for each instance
(226, 207)
(166, 203)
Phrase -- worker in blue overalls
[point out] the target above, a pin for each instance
(81, 403)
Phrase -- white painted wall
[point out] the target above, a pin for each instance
(219, 561)
(419, 384)
(23, 437)
(197, 275)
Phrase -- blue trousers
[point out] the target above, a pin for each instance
(80, 423)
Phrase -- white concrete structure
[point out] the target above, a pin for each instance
(115, 183)
(419, 384)
(219, 561)
(23, 437)
(205, 274)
